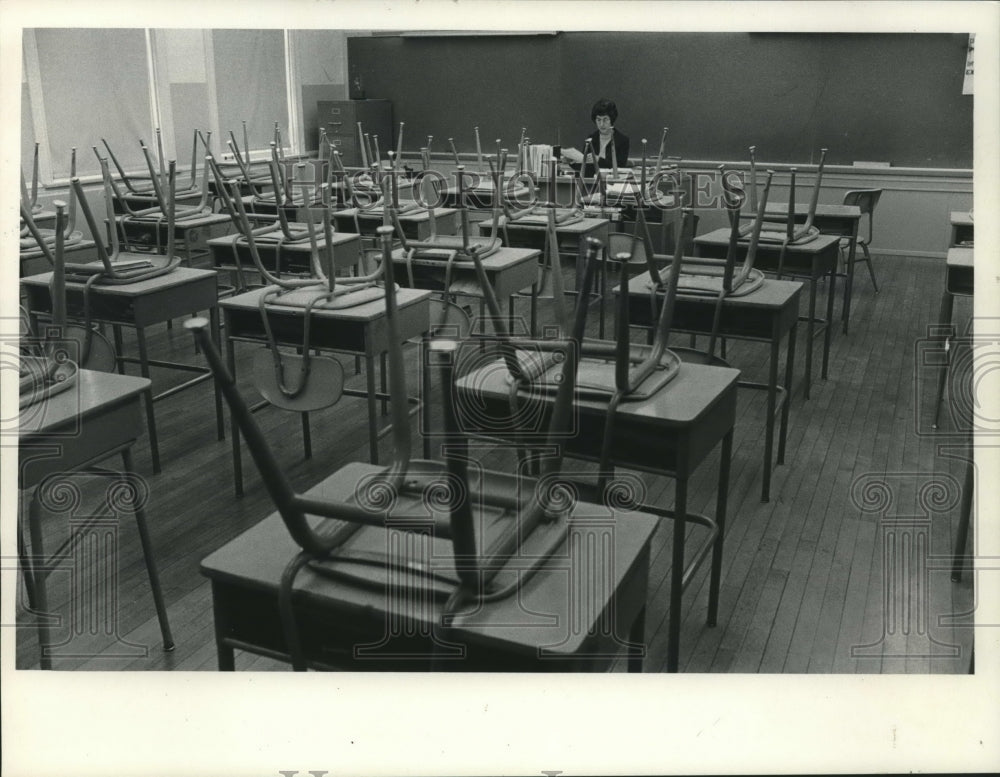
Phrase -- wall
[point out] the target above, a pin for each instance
(867, 97)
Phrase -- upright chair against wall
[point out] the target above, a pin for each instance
(866, 200)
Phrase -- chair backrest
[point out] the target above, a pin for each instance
(866, 200)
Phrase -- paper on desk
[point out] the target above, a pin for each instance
(572, 155)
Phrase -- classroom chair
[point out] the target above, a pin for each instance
(866, 200)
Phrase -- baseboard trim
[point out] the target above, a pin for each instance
(876, 252)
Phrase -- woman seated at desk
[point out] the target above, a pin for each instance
(610, 145)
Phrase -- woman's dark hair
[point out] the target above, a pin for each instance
(604, 107)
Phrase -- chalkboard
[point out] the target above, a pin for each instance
(893, 98)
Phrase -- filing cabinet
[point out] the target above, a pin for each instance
(340, 120)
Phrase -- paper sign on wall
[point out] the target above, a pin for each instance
(969, 67)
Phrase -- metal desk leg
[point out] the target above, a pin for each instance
(603, 293)
(147, 554)
(154, 444)
(772, 401)
(828, 332)
(677, 577)
(534, 309)
(637, 640)
(382, 358)
(38, 572)
(223, 650)
(787, 399)
(810, 327)
(140, 334)
(220, 425)
(306, 436)
(425, 399)
(944, 319)
(721, 505)
(234, 429)
(965, 517)
(370, 379)
(849, 289)
(116, 333)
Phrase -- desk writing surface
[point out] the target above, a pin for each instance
(836, 211)
(509, 270)
(368, 311)
(222, 249)
(502, 259)
(582, 227)
(302, 246)
(179, 276)
(749, 315)
(93, 393)
(100, 414)
(961, 218)
(960, 257)
(257, 558)
(960, 271)
(416, 215)
(720, 237)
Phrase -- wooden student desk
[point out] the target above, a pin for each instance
(509, 271)
(191, 234)
(831, 219)
(142, 200)
(361, 330)
(34, 261)
(963, 230)
(232, 251)
(959, 281)
(569, 616)
(416, 224)
(177, 294)
(76, 429)
(572, 239)
(812, 260)
(670, 433)
(769, 314)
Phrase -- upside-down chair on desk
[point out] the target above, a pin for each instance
(288, 242)
(435, 557)
(788, 232)
(318, 381)
(142, 186)
(613, 379)
(548, 209)
(143, 228)
(449, 251)
(241, 170)
(31, 236)
(35, 242)
(718, 279)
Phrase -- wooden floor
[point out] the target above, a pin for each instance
(804, 584)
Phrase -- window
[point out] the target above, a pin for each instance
(81, 85)
(89, 84)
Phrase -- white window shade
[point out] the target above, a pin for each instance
(250, 85)
(95, 84)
